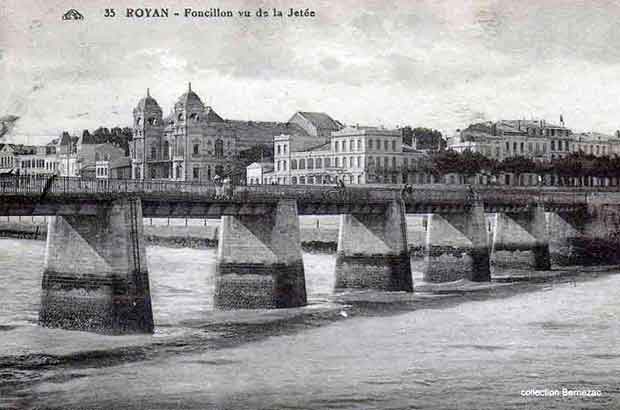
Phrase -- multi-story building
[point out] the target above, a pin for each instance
(28, 159)
(119, 168)
(538, 140)
(194, 143)
(67, 155)
(355, 155)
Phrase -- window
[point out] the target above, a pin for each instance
(514, 147)
(544, 148)
(219, 148)
(359, 145)
(278, 166)
(302, 164)
(350, 162)
(393, 162)
(310, 163)
(507, 147)
(337, 164)
(278, 149)
(284, 165)
(369, 145)
(522, 147)
(378, 143)
(284, 149)
(394, 145)
(530, 147)
(293, 164)
(294, 180)
(327, 162)
(196, 172)
(337, 146)
(359, 162)
(318, 163)
(385, 145)
(351, 146)
(196, 149)
(153, 152)
(153, 173)
(166, 153)
(552, 145)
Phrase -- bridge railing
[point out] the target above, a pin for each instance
(436, 193)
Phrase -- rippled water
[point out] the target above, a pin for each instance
(393, 351)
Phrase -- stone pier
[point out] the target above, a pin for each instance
(457, 246)
(373, 251)
(95, 276)
(259, 261)
(567, 242)
(520, 240)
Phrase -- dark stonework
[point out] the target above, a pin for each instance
(257, 286)
(535, 257)
(447, 264)
(113, 304)
(383, 272)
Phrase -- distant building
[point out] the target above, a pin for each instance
(194, 143)
(67, 155)
(316, 124)
(354, 155)
(538, 140)
(27, 160)
(119, 168)
(258, 172)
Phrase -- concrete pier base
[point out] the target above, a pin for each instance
(520, 241)
(567, 242)
(259, 261)
(373, 252)
(457, 247)
(95, 276)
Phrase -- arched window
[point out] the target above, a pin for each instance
(219, 149)
(294, 180)
(152, 121)
(138, 121)
(302, 164)
(180, 116)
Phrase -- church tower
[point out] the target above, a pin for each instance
(148, 128)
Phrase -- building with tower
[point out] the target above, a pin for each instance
(187, 145)
(193, 143)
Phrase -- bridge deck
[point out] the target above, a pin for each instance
(27, 195)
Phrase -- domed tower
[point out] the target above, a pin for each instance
(148, 127)
(188, 119)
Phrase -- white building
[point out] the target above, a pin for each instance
(355, 155)
(257, 172)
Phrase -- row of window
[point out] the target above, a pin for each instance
(339, 162)
(102, 172)
(7, 162)
(38, 163)
(352, 145)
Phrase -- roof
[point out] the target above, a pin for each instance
(148, 102)
(322, 147)
(263, 165)
(189, 97)
(320, 120)
(211, 116)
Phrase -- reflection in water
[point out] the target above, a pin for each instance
(390, 351)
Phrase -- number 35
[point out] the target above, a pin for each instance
(109, 13)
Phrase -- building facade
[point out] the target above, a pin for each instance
(353, 155)
(537, 140)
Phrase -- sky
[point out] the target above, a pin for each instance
(432, 63)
